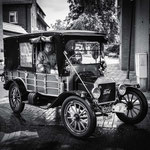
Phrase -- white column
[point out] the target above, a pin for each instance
(142, 37)
(1, 31)
(125, 23)
(34, 16)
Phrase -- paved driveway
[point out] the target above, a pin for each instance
(37, 129)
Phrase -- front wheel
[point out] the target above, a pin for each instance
(78, 117)
(15, 98)
(136, 104)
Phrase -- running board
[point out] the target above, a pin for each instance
(39, 106)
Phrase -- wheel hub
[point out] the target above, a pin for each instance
(129, 105)
(76, 117)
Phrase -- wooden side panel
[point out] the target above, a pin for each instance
(22, 75)
(52, 78)
(31, 87)
(30, 75)
(15, 73)
(52, 84)
(40, 76)
(53, 92)
(39, 83)
(43, 83)
(30, 81)
(41, 90)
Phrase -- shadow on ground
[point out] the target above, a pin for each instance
(36, 129)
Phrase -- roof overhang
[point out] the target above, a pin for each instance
(17, 1)
(9, 27)
(42, 20)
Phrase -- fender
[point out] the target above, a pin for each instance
(139, 91)
(7, 84)
(133, 85)
(63, 96)
(20, 83)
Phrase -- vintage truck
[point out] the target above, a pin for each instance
(76, 84)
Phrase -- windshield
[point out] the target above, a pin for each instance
(83, 52)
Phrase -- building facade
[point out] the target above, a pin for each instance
(135, 23)
(19, 17)
(1, 32)
(26, 13)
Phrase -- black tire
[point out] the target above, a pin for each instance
(78, 117)
(15, 98)
(137, 106)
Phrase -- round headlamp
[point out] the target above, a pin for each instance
(122, 89)
(96, 92)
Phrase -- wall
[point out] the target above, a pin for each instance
(142, 37)
(125, 23)
(28, 18)
(1, 30)
(27, 14)
(22, 14)
(33, 16)
(40, 25)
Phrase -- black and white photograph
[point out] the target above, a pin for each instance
(74, 74)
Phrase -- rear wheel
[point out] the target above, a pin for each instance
(78, 117)
(15, 98)
(136, 104)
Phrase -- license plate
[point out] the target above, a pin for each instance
(119, 108)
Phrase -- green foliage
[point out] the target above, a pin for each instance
(59, 25)
(87, 22)
(97, 15)
(94, 15)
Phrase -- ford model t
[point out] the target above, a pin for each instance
(70, 76)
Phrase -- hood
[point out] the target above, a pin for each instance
(106, 85)
(103, 80)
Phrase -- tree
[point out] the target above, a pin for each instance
(97, 15)
(87, 22)
(59, 25)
